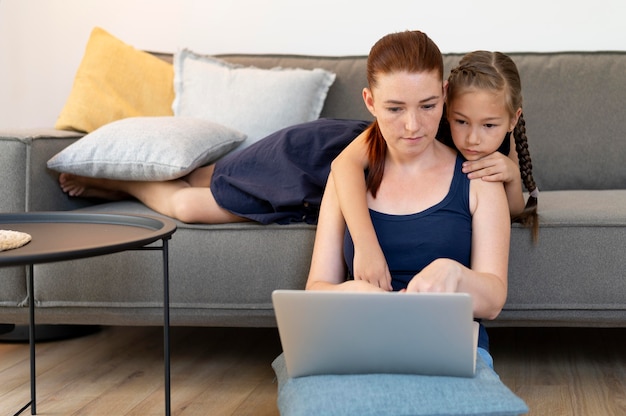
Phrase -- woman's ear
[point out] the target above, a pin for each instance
(515, 119)
(368, 99)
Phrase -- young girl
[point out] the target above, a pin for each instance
(279, 179)
(440, 231)
(483, 117)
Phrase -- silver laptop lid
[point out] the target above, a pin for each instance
(358, 333)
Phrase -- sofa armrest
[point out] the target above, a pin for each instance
(26, 184)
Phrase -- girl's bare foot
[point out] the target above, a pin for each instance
(80, 186)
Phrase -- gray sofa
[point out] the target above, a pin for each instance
(222, 275)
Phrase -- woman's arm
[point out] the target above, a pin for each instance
(491, 234)
(328, 271)
(486, 281)
(347, 171)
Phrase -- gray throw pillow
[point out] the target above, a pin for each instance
(147, 148)
(255, 101)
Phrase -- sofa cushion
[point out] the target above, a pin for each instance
(147, 148)
(113, 81)
(395, 394)
(253, 100)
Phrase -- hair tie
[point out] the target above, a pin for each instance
(535, 193)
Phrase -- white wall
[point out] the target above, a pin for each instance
(42, 41)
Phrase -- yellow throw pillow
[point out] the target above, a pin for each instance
(115, 81)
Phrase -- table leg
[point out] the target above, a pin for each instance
(31, 343)
(31, 338)
(166, 326)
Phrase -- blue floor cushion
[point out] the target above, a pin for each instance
(395, 394)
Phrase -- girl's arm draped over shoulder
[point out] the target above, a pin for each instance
(328, 270)
(347, 171)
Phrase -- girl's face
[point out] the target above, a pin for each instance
(408, 107)
(479, 121)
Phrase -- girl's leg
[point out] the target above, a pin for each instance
(176, 199)
(159, 196)
(75, 186)
(197, 205)
(200, 176)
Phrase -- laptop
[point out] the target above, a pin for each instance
(388, 332)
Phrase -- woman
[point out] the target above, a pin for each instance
(439, 230)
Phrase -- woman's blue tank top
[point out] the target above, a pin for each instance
(411, 242)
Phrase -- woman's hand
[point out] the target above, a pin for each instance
(442, 275)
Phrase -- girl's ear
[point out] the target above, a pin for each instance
(368, 98)
(518, 113)
(445, 90)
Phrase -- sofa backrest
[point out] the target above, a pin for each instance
(574, 106)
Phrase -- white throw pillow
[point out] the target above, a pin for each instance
(255, 101)
(147, 148)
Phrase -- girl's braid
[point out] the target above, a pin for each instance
(521, 146)
(529, 217)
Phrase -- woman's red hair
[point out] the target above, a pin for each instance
(408, 51)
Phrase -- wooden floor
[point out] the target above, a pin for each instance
(564, 371)
(226, 371)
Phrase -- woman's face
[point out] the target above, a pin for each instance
(479, 121)
(408, 108)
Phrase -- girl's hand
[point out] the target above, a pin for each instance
(371, 266)
(442, 275)
(494, 167)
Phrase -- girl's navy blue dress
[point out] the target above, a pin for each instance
(281, 178)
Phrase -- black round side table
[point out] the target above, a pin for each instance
(60, 236)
